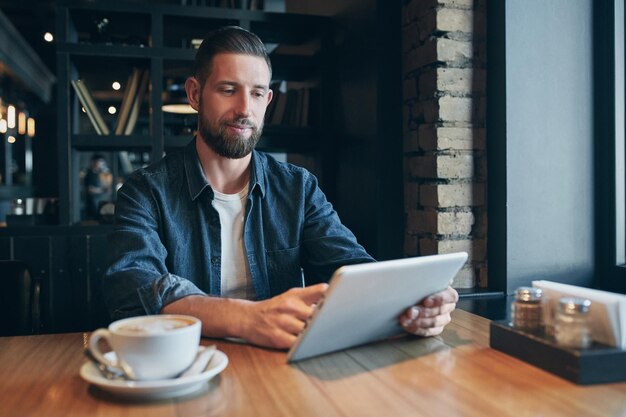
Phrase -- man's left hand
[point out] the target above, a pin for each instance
(430, 316)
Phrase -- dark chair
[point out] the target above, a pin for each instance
(20, 299)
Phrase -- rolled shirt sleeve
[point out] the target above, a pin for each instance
(136, 281)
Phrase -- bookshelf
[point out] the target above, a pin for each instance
(101, 40)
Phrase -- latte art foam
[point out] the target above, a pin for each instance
(153, 325)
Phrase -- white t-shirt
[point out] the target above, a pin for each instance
(236, 278)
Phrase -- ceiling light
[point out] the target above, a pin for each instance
(11, 139)
(3, 126)
(175, 98)
(21, 123)
(11, 117)
(178, 108)
(48, 37)
(30, 127)
(116, 86)
(112, 110)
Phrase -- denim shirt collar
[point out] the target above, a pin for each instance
(197, 182)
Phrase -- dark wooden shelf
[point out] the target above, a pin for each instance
(91, 49)
(8, 192)
(94, 142)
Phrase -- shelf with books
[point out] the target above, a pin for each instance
(149, 48)
(111, 112)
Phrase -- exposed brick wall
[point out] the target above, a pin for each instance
(444, 53)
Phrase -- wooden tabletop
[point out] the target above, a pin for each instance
(456, 374)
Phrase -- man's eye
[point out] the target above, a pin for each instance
(228, 91)
(258, 93)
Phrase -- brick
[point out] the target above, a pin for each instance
(410, 245)
(410, 37)
(440, 223)
(411, 141)
(430, 112)
(455, 20)
(467, 4)
(467, 194)
(456, 109)
(411, 11)
(427, 84)
(456, 138)
(455, 166)
(428, 246)
(411, 196)
(427, 137)
(454, 53)
(455, 223)
(441, 166)
(447, 195)
(460, 80)
(423, 167)
(420, 221)
(409, 88)
(431, 246)
(421, 56)
(439, 50)
(417, 113)
(427, 25)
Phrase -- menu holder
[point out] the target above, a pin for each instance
(597, 364)
(607, 311)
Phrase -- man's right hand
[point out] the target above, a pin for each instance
(276, 322)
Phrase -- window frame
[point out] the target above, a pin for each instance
(610, 157)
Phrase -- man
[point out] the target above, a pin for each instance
(228, 234)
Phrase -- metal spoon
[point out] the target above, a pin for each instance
(106, 371)
(199, 364)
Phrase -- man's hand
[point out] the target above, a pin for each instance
(430, 316)
(276, 322)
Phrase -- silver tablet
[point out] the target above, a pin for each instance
(364, 301)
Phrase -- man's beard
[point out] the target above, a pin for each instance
(232, 146)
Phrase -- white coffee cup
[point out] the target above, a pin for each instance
(150, 347)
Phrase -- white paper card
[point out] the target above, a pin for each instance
(607, 311)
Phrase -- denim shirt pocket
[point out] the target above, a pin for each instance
(284, 269)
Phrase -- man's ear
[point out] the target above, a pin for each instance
(193, 90)
(270, 94)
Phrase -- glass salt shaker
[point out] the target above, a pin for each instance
(572, 326)
(526, 309)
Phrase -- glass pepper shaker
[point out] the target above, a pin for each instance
(526, 309)
(572, 325)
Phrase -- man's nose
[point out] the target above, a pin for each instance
(242, 107)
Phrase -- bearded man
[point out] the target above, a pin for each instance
(226, 233)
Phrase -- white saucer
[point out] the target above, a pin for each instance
(158, 389)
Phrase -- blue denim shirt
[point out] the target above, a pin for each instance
(166, 241)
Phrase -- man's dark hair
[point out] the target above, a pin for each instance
(227, 39)
(96, 157)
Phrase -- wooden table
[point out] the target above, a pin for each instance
(456, 374)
